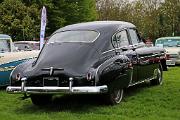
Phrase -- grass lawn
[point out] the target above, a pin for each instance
(140, 102)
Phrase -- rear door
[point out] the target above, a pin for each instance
(143, 67)
(123, 46)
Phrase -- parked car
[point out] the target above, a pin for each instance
(10, 58)
(101, 57)
(27, 45)
(172, 46)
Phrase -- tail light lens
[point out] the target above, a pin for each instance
(18, 76)
(167, 56)
(89, 76)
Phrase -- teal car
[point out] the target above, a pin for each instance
(10, 58)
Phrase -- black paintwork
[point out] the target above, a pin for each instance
(123, 66)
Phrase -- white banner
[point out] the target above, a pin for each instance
(43, 26)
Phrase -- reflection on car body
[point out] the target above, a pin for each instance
(89, 58)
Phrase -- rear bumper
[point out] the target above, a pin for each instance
(170, 62)
(57, 90)
(173, 62)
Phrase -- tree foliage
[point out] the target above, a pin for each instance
(154, 18)
(67, 12)
(18, 20)
(21, 18)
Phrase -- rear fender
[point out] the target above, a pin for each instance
(20, 69)
(114, 71)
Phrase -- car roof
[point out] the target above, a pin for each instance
(97, 25)
(164, 38)
(4, 36)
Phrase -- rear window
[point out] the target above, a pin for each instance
(74, 36)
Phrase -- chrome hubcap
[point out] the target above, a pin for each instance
(118, 96)
(158, 75)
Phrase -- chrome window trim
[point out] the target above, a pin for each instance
(119, 48)
(124, 29)
(76, 41)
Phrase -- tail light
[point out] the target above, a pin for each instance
(89, 76)
(167, 56)
(18, 76)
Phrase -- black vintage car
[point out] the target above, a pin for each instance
(101, 57)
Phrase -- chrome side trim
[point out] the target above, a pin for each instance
(131, 80)
(108, 51)
(146, 80)
(96, 75)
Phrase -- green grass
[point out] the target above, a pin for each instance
(140, 102)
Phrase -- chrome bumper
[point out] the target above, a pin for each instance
(171, 62)
(56, 90)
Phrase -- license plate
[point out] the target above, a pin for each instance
(51, 81)
(170, 62)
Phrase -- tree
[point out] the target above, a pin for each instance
(21, 18)
(67, 12)
(170, 17)
(18, 20)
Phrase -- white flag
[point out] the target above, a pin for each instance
(43, 26)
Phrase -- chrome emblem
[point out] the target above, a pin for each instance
(51, 71)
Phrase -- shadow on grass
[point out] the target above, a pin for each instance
(137, 89)
(3, 88)
(70, 103)
(77, 103)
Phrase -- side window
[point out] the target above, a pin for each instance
(120, 39)
(134, 36)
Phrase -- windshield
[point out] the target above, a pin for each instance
(4, 45)
(74, 36)
(168, 43)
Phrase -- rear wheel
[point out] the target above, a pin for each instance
(40, 100)
(115, 96)
(158, 76)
